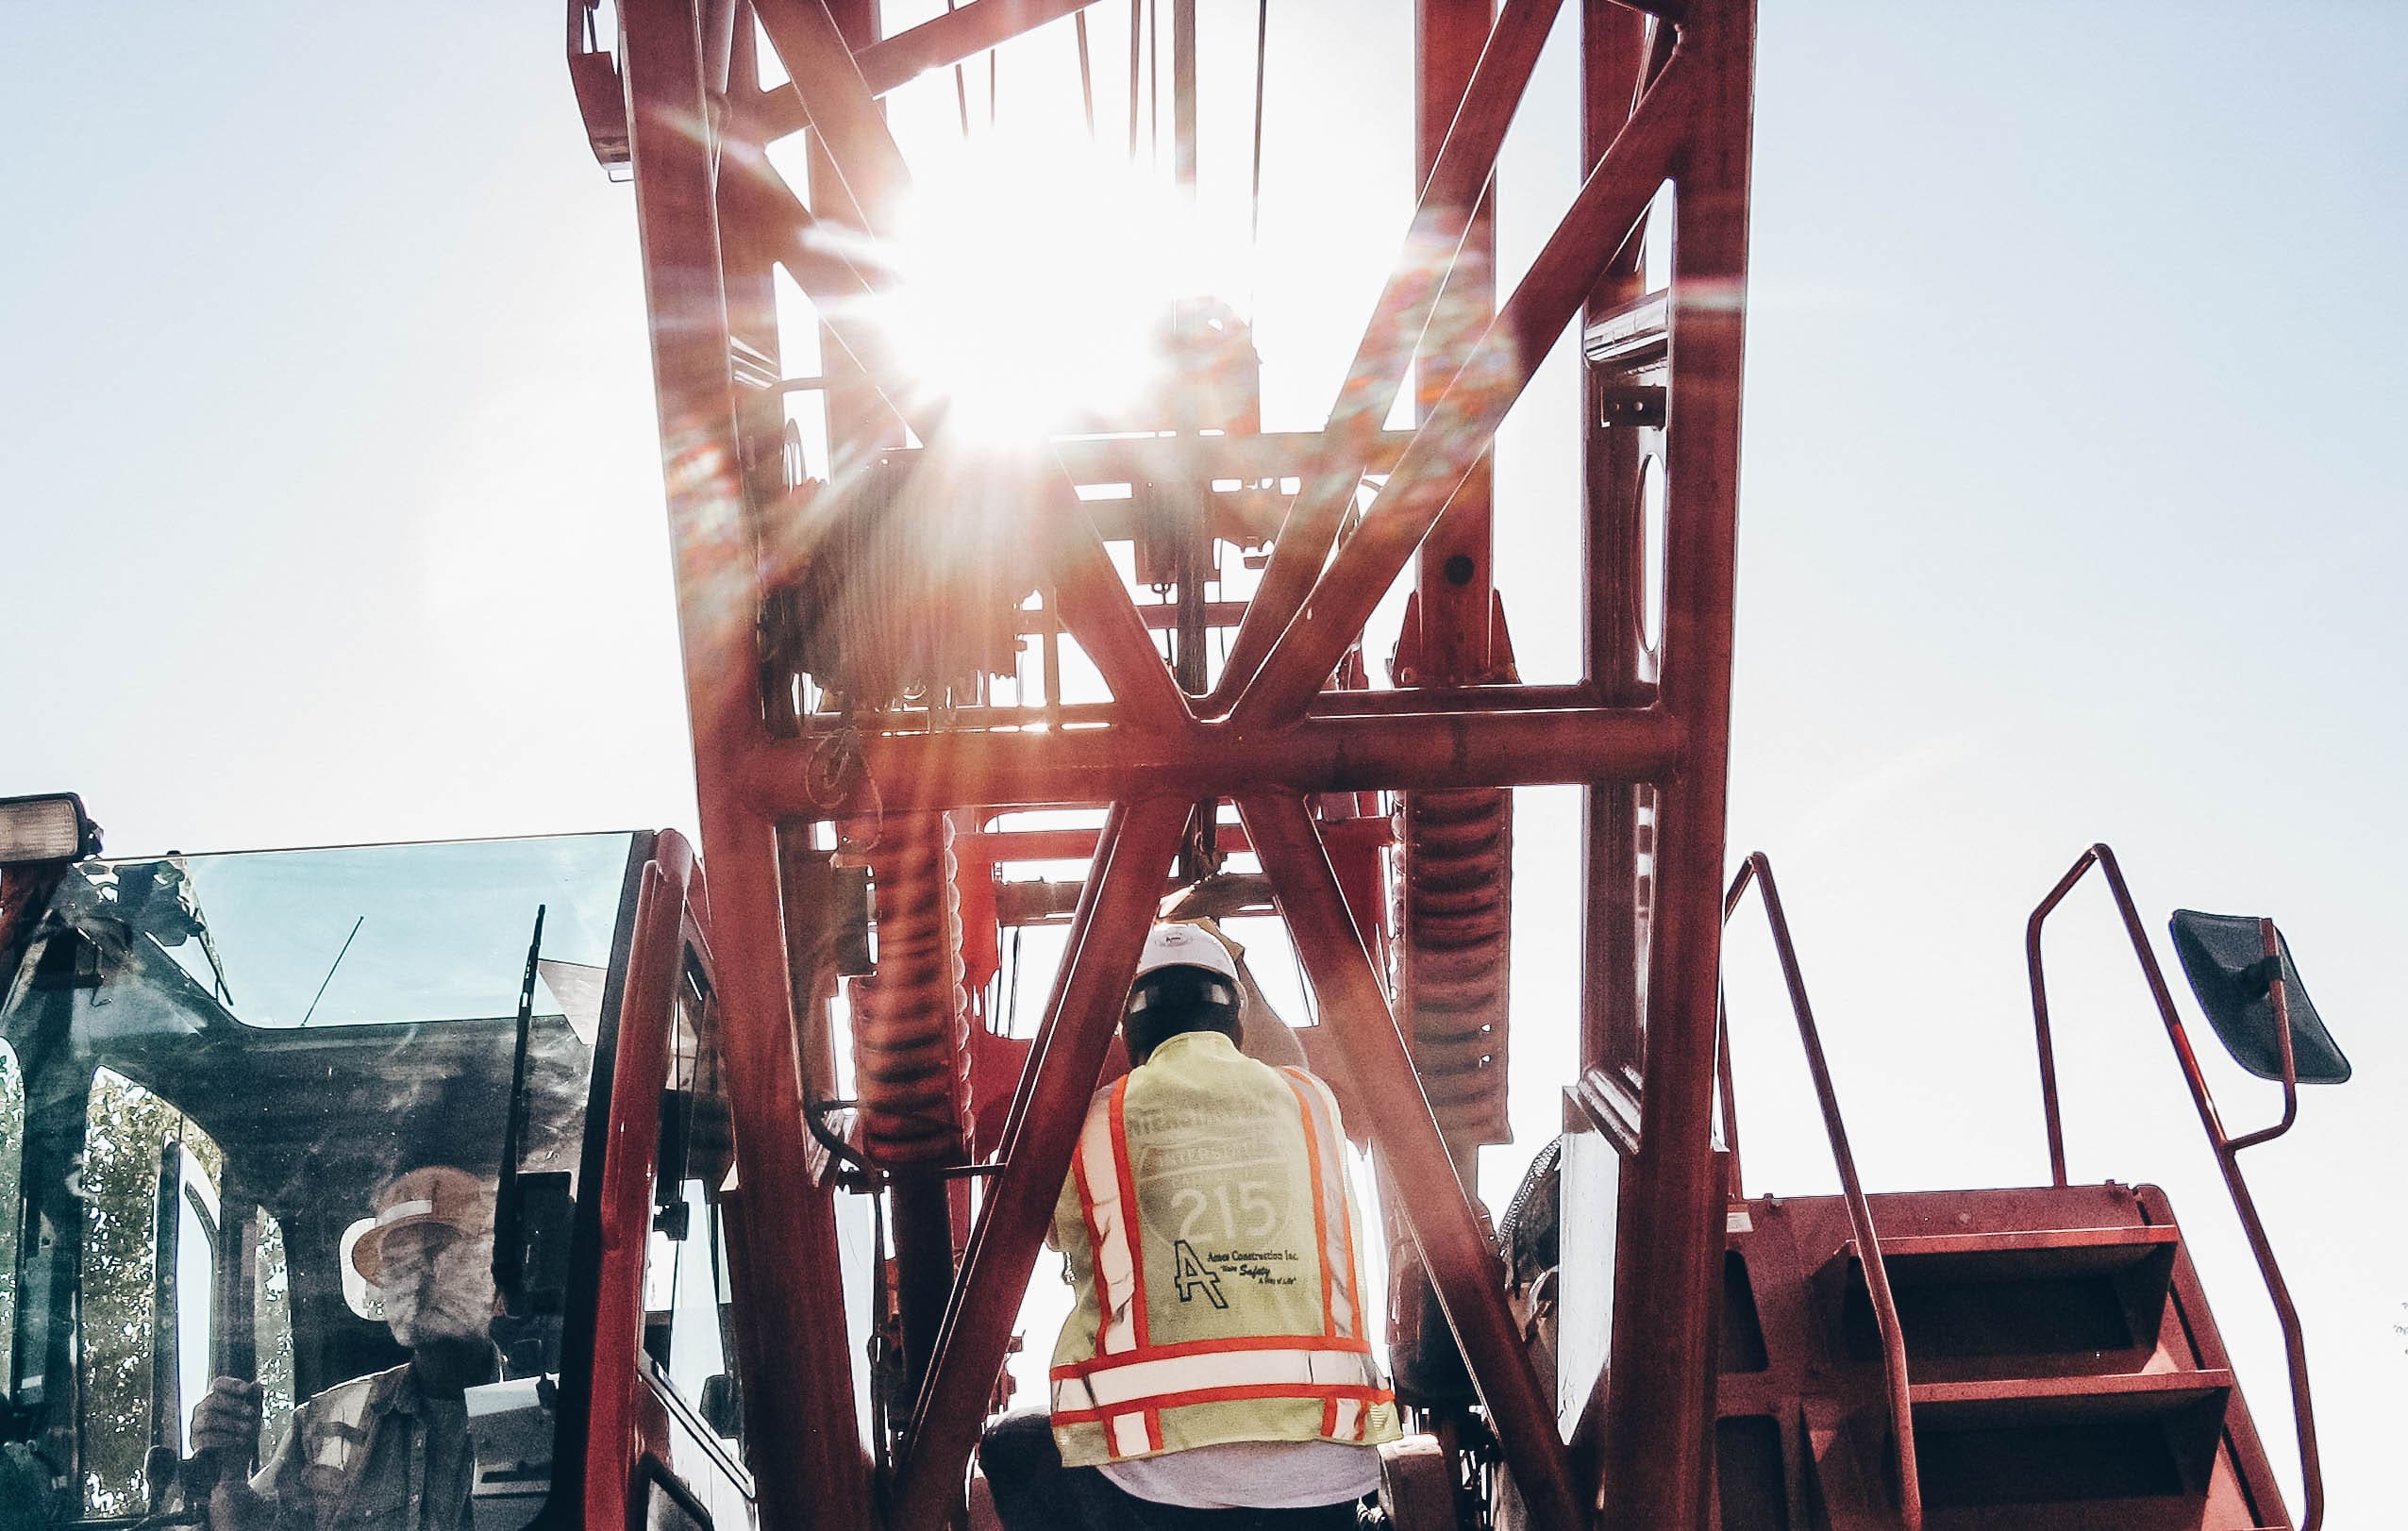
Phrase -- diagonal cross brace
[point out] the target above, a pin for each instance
(1460, 430)
(902, 57)
(1456, 1251)
(1047, 1111)
(1095, 604)
(1462, 168)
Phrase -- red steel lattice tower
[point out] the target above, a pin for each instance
(832, 668)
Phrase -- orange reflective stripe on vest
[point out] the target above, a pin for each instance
(1108, 1196)
(1334, 1234)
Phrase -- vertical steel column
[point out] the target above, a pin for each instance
(1613, 46)
(858, 423)
(1449, 192)
(1449, 443)
(1453, 580)
(806, 1383)
(1659, 1443)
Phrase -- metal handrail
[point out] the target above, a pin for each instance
(2227, 1149)
(1758, 869)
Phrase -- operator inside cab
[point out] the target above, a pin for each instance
(1217, 1367)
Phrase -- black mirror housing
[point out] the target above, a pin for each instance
(2224, 957)
(723, 1405)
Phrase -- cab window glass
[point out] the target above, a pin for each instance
(221, 1064)
(688, 1295)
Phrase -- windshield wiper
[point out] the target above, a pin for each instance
(509, 1254)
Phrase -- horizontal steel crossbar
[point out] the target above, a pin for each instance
(1032, 766)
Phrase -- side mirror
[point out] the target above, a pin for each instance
(2224, 956)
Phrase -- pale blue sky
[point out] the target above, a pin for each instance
(2071, 507)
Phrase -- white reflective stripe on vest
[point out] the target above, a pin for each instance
(1160, 1383)
(1132, 1437)
(1345, 1418)
(1119, 1282)
(1333, 1209)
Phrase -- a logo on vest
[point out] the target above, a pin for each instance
(1193, 1273)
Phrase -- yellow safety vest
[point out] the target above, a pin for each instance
(1213, 1242)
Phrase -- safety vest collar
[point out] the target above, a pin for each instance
(1172, 1048)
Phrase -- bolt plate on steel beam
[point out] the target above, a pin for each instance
(1636, 404)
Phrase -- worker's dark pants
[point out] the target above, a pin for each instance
(1033, 1491)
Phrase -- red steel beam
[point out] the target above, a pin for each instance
(1033, 767)
(1046, 1114)
(1452, 585)
(993, 846)
(1088, 588)
(1454, 1249)
(1450, 193)
(1449, 443)
(806, 1376)
(1656, 1452)
(821, 70)
(613, 1438)
(1387, 703)
(898, 61)
(1613, 46)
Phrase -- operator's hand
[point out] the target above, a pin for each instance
(226, 1419)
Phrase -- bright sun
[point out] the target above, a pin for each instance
(1035, 285)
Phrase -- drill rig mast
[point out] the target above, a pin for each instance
(915, 655)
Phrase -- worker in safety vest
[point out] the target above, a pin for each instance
(1216, 1370)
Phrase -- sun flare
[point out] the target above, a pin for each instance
(1035, 288)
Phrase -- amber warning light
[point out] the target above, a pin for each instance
(48, 828)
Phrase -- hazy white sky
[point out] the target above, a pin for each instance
(2071, 503)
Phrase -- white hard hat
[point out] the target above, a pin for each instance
(1170, 946)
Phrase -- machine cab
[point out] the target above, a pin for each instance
(213, 1071)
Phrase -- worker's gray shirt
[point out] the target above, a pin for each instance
(374, 1453)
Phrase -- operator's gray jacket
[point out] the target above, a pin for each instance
(374, 1453)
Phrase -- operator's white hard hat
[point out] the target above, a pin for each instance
(1174, 945)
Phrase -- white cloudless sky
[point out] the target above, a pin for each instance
(2072, 508)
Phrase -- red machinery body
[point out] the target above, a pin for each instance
(849, 638)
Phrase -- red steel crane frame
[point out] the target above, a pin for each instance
(1667, 92)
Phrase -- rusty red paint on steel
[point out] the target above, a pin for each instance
(1454, 1248)
(1463, 423)
(1424, 268)
(745, 777)
(896, 60)
(1038, 1137)
(1409, 701)
(1614, 47)
(1028, 767)
(1657, 1445)
(861, 151)
(2227, 1148)
(805, 1374)
(1452, 590)
(1897, 1394)
(611, 1442)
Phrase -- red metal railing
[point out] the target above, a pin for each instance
(1758, 869)
(2227, 1148)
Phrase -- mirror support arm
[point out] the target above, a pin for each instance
(2227, 1148)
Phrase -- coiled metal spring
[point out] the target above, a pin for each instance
(911, 1018)
(1458, 888)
